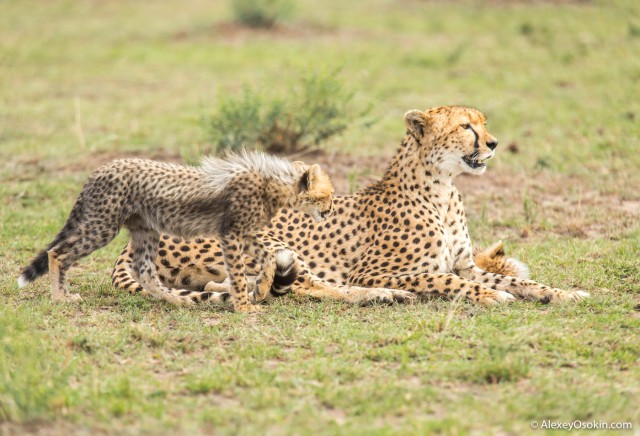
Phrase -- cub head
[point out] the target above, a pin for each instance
(454, 139)
(314, 192)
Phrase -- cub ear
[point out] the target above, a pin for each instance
(300, 166)
(417, 122)
(316, 182)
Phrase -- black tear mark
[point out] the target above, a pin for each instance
(476, 144)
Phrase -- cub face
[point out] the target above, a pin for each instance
(315, 192)
(454, 138)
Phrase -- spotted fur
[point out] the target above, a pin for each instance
(407, 232)
(231, 198)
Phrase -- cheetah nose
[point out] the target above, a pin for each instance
(492, 144)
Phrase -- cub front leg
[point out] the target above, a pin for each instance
(522, 288)
(232, 250)
(266, 259)
(437, 284)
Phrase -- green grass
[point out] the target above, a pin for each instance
(81, 82)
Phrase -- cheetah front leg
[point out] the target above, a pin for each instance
(294, 275)
(233, 249)
(266, 259)
(310, 285)
(522, 288)
(316, 288)
(436, 284)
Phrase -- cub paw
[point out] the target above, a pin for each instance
(249, 308)
(67, 298)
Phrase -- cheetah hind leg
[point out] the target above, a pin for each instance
(76, 243)
(144, 246)
(57, 277)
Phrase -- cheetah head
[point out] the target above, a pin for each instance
(454, 139)
(314, 192)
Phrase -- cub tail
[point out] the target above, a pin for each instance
(39, 266)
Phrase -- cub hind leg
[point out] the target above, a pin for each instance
(78, 242)
(144, 246)
(59, 290)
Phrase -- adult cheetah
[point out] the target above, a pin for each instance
(406, 232)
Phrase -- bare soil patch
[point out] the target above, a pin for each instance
(234, 33)
(516, 205)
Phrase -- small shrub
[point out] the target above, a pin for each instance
(316, 109)
(238, 121)
(260, 13)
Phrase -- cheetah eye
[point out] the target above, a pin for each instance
(465, 126)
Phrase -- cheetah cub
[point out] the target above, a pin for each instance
(231, 197)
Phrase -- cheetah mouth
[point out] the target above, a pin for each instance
(473, 160)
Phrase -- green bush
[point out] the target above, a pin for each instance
(237, 121)
(260, 13)
(315, 109)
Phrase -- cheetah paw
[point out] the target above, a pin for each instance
(67, 298)
(178, 300)
(497, 297)
(219, 297)
(386, 296)
(403, 296)
(505, 297)
(218, 287)
(570, 296)
(250, 308)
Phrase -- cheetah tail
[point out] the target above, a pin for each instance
(40, 264)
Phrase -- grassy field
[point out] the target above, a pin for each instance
(84, 82)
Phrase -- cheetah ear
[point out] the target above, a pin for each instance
(496, 250)
(316, 182)
(298, 165)
(417, 122)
